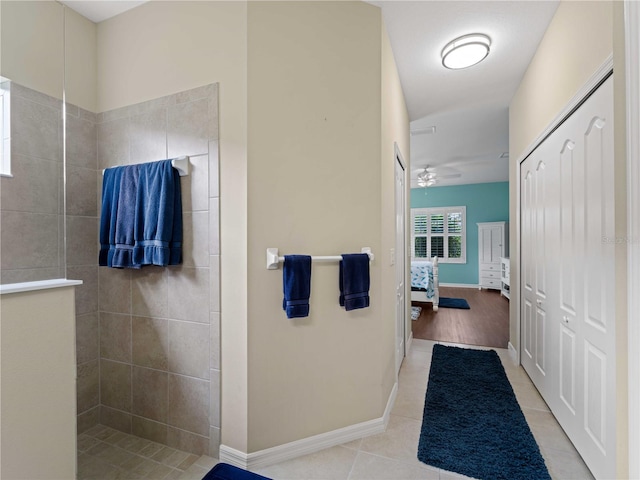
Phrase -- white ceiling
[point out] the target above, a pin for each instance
(469, 108)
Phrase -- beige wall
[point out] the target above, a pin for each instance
(314, 182)
(581, 36)
(395, 129)
(203, 42)
(38, 405)
(33, 49)
(577, 42)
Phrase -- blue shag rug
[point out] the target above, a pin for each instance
(472, 423)
(446, 302)
(225, 471)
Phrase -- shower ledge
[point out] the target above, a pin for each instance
(38, 285)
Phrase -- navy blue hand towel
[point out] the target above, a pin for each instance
(108, 214)
(158, 215)
(122, 255)
(296, 280)
(354, 281)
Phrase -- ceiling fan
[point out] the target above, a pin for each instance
(428, 177)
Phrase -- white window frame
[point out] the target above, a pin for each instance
(5, 128)
(440, 211)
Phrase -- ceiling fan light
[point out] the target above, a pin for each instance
(430, 182)
(465, 51)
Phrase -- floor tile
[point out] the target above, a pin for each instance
(330, 464)
(373, 467)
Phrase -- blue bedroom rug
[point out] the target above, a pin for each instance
(472, 423)
(446, 302)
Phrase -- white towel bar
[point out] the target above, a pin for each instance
(273, 259)
(181, 164)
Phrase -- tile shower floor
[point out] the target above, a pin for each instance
(104, 453)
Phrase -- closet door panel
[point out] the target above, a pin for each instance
(568, 277)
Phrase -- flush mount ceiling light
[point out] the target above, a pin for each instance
(465, 51)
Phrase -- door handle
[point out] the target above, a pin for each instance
(565, 319)
(538, 302)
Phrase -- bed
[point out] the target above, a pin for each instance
(424, 281)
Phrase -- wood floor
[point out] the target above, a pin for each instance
(485, 324)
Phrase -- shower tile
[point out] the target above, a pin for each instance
(87, 347)
(195, 186)
(150, 342)
(87, 293)
(214, 361)
(188, 128)
(113, 143)
(214, 169)
(27, 93)
(115, 385)
(149, 136)
(214, 226)
(35, 129)
(187, 442)
(214, 268)
(29, 274)
(88, 419)
(214, 442)
(195, 247)
(116, 114)
(189, 348)
(87, 386)
(149, 289)
(196, 93)
(115, 290)
(33, 188)
(81, 142)
(115, 419)
(189, 404)
(40, 251)
(82, 240)
(154, 431)
(88, 116)
(150, 393)
(81, 191)
(189, 294)
(143, 108)
(115, 336)
(213, 116)
(214, 414)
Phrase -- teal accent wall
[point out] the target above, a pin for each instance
(485, 202)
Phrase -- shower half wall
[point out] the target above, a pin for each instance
(150, 361)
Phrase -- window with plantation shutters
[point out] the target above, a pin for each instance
(439, 232)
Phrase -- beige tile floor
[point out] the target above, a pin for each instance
(104, 453)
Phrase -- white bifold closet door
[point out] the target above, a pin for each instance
(568, 277)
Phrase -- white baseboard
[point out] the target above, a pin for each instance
(305, 446)
(459, 285)
(409, 342)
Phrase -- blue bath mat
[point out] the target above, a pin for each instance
(472, 423)
(446, 302)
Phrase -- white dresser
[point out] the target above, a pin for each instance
(492, 245)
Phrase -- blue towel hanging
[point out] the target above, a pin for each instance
(158, 218)
(354, 281)
(296, 282)
(141, 216)
(110, 194)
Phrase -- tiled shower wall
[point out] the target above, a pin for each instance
(31, 227)
(147, 341)
(159, 327)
